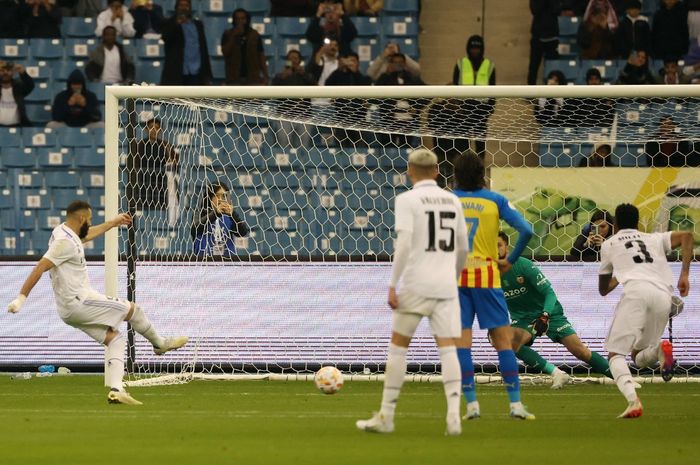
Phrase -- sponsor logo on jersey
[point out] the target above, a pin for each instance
(566, 326)
(520, 279)
(515, 292)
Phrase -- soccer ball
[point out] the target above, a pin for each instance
(328, 380)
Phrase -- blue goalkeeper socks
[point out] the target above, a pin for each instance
(509, 371)
(467, 367)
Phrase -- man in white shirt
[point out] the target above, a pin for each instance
(118, 16)
(84, 308)
(638, 261)
(109, 63)
(431, 249)
(12, 93)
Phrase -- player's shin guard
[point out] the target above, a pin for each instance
(599, 364)
(139, 321)
(623, 377)
(534, 360)
(451, 378)
(467, 367)
(393, 378)
(647, 357)
(509, 371)
(114, 362)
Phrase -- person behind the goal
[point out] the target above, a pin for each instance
(431, 247)
(638, 262)
(84, 308)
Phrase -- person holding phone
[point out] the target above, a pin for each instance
(243, 52)
(331, 22)
(76, 106)
(587, 245)
(12, 93)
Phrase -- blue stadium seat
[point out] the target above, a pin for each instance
(98, 88)
(559, 155)
(79, 49)
(292, 198)
(3, 180)
(265, 27)
(400, 7)
(292, 27)
(61, 198)
(367, 49)
(568, 48)
(54, 158)
(88, 157)
(399, 27)
(281, 179)
(9, 244)
(47, 49)
(631, 155)
(327, 158)
(327, 243)
(36, 199)
(284, 243)
(215, 29)
(570, 68)
(95, 247)
(7, 199)
(13, 49)
(356, 220)
(96, 195)
(393, 158)
(568, 25)
(38, 137)
(282, 159)
(152, 220)
(255, 7)
(367, 26)
(93, 179)
(16, 157)
(10, 137)
(29, 179)
(42, 94)
(408, 46)
(60, 70)
(218, 69)
(370, 199)
(352, 180)
(77, 27)
(38, 113)
(98, 136)
(74, 137)
(39, 70)
(151, 49)
(252, 199)
(62, 179)
(243, 179)
(217, 7)
(609, 69)
(364, 159)
(17, 220)
(149, 72)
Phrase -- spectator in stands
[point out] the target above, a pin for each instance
(380, 64)
(81, 8)
(544, 34)
(550, 111)
(596, 39)
(147, 18)
(325, 61)
(398, 74)
(599, 158)
(12, 109)
(156, 164)
(363, 7)
(636, 71)
(41, 19)
(243, 52)
(117, 16)
(331, 22)
(109, 63)
(634, 32)
(593, 77)
(670, 74)
(669, 34)
(590, 112)
(669, 149)
(186, 53)
(350, 110)
(76, 106)
(294, 8)
(693, 7)
(216, 224)
(294, 74)
(10, 20)
(606, 6)
(587, 245)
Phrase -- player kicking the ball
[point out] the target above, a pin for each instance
(82, 307)
(431, 247)
(638, 261)
(534, 311)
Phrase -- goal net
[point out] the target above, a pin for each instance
(263, 216)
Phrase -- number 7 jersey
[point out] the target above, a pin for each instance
(631, 255)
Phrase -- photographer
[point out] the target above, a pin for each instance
(325, 61)
(12, 109)
(243, 52)
(587, 245)
(331, 23)
(216, 224)
(76, 106)
(294, 73)
(186, 53)
(379, 65)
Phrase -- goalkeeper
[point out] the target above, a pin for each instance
(534, 311)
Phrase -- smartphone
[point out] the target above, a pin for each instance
(595, 229)
(326, 41)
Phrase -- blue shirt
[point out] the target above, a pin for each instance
(192, 60)
(217, 240)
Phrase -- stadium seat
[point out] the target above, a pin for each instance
(265, 27)
(218, 69)
(149, 72)
(292, 198)
(367, 26)
(98, 88)
(351, 180)
(281, 179)
(9, 137)
(300, 44)
(74, 137)
(401, 27)
(631, 155)
(568, 25)
(13, 49)
(16, 157)
(367, 49)
(284, 243)
(36, 199)
(570, 68)
(255, 7)
(38, 113)
(7, 199)
(400, 7)
(370, 199)
(327, 158)
(558, 155)
(98, 136)
(61, 198)
(152, 220)
(408, 46)
(393, 158)
(38, 137)
(62, 179)
(42, 94)
(47, 49)
(150, 49)
(22, 220)
(93, 179)
(96, 196)
(40, 71)
(10, 244)
(281, 159)
(217, 7)
(363, 159)
(3, 181)
(79, 49)
(88, 157)
(292, 27)
(356, 220)
(95, 247)
(608, 69)
(568, 48)
(60, 70)
(252, 199)
(77, 27)
(54, 157)
(28, 179)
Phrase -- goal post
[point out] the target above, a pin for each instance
(312, 173)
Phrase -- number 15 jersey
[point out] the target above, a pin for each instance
(433, 219)
(632, 255)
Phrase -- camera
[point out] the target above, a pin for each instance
(326, 41)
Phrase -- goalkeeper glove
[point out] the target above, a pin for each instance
(540, 325)
(16, 304)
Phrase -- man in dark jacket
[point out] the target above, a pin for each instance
(669, 35)
(10, 20)
(41, 19)
(331, 22)
(12, 109)
(76, 106)
(634, 32)
(147, 18)
(109, 63)
(156, 164)
(186, 52)
(545, 35)
(351, 110)
(243, 52)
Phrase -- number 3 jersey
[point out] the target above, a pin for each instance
(432, 217)
(632, 255)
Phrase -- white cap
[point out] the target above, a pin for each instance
(423, 157)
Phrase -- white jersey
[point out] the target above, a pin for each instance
(433, 219)
(632, 255)
(69, 277)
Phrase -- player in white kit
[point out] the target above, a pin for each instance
(638, 262)
(430, 252)
(84, 308)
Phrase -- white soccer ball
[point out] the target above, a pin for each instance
(328, 380)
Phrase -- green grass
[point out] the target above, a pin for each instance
(66, 420)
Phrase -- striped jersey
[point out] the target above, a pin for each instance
(483, 211)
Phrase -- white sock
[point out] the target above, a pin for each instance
(139, 321)
(114, 362)
(451, 379)
(393, 378)
(647, 357)
(514, 405)
(556, 371)
(623, 377)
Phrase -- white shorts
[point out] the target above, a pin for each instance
(640, 318)
(443, 315)
(95, 313)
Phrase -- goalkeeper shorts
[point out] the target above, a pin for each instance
(559, 327)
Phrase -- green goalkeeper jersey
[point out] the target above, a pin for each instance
(528, 292)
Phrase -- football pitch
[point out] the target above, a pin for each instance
(66, 420)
